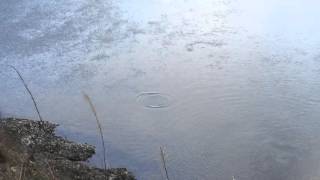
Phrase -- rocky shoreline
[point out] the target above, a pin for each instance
(30, 150)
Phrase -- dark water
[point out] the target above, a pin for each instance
(229, 87)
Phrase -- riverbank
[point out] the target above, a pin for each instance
(30, 150)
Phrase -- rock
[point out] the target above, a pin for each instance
(34, 151)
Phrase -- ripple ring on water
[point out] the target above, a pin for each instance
(154, 100)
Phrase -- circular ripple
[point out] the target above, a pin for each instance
(153, 100)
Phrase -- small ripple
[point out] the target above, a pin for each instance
(154, 100)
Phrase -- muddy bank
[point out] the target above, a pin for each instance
(30, 150)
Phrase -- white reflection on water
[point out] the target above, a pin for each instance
(242, 76)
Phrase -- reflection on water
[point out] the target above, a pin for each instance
(239, 81)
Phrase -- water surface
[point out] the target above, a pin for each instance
(228, 87)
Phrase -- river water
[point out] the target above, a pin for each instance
(227, 87)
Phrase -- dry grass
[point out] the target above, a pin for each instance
(23, 166)
(51, 170)
(164, 164)
(93, 109)
(29, 91)
(21, 171)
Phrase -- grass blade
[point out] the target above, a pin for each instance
(50, 170)
(93, 109)
(29, 91)
(163, 160)
(21, 171)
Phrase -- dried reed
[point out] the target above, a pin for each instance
(163, 160)
(29, 91)
(93, 109)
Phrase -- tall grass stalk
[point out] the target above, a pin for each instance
(21, 172)
(24, 164)
(29, 91)
(161, 171)
(164, 164)
(50, 170)
(93, 109)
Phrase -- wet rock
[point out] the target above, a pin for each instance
(33, 151)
